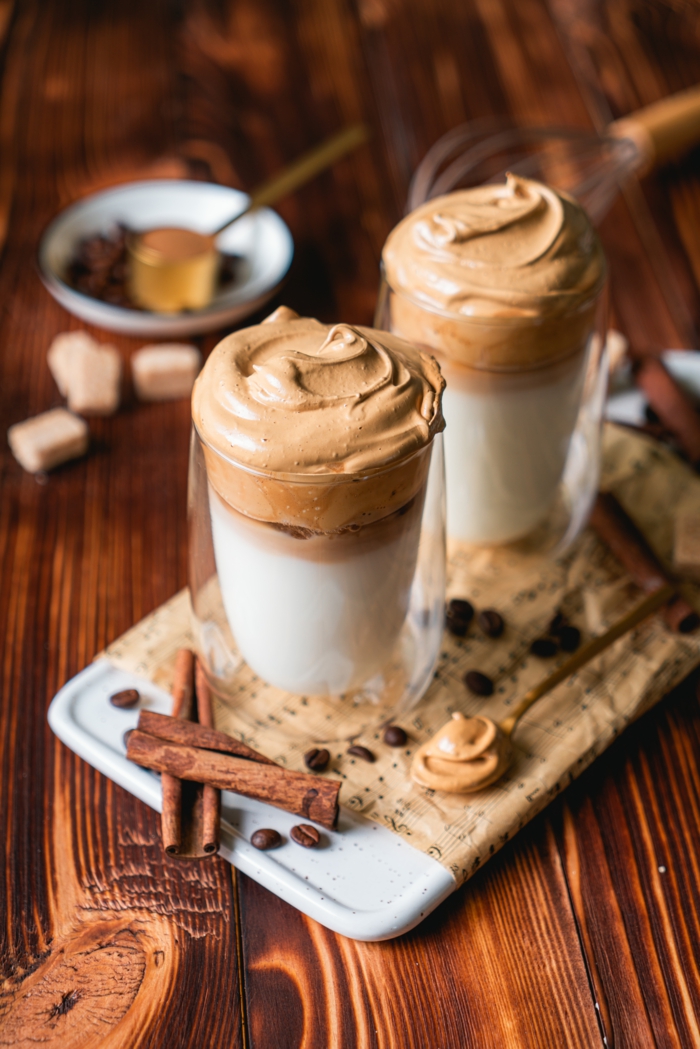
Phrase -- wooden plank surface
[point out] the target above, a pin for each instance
(572, 933)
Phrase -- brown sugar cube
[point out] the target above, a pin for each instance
(48, 439)
(93, 387)
(686, 546)
(60, 355)
(164, 373)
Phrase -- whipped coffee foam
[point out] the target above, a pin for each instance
(297, 401)
(522, 258)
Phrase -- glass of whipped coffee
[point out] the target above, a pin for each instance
(316, 507)
(504, 284)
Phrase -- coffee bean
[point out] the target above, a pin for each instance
(306, 835)
(556, 623)
(461, 609)
(316, 759)
(478, 683)
(129, 697)
(125, 737)
(361, 752)
(394, 736)
(265, 838)
(491, 622)
(544, 647)
(458, 616)
(569, 638)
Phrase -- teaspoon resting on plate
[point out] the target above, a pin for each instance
(470, 753)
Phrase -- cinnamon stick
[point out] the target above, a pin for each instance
(672, 404)
(190, 816)
(211, 797)
(190, 734)
(171, 812)
(297, 792)
(619, 532)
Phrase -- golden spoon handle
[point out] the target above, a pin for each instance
(302, 170)
(650, 604)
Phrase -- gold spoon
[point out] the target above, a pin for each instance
(469, 754)
(173, 269)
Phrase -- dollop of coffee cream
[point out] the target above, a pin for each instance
(297, 397)
(466, 755)
(521, 249)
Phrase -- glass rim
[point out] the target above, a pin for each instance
(521, 321)
(325, 479)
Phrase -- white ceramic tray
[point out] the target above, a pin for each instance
(262, 240)
(363, 882)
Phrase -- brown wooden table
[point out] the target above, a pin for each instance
(587, 926)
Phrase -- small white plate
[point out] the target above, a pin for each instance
(262, 239)
(364, 881)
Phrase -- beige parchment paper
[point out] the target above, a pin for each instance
(555, 741)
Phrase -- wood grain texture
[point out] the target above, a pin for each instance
(498, 965)
(573, 914)
(631, 848)
(99, 933)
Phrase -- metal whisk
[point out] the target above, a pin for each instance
(589, 167)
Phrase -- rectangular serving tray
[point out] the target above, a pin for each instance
(363, 881)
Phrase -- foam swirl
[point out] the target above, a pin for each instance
(296, 397)
(516, 250)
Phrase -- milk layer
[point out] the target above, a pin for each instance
(318, 615)
(506, 444)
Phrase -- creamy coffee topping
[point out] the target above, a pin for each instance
(521, 249)
(297, 397)
(466, 755)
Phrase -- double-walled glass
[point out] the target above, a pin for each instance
(522, 444)
(356, 611)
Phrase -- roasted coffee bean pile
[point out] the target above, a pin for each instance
(561, 636)
(317, 759)
(99, 268)
(458, 615)
(460, 612)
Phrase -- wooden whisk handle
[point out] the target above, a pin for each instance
(664, 129)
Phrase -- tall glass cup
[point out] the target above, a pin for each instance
(354, 611)
(504, 284)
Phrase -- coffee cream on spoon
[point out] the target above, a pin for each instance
(466, 755)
